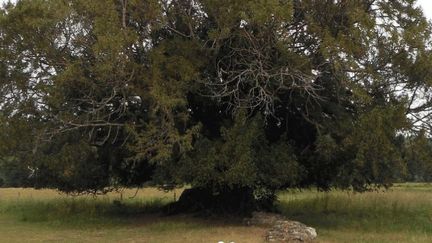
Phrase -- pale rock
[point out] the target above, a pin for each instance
(281, 228)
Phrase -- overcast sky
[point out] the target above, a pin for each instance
(427, 7)
(426, 4)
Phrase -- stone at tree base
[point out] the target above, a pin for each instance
(282, 229)
(290, 231)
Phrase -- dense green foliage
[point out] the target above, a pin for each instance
(220, 95)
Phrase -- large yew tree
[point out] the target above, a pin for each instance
(236, 98)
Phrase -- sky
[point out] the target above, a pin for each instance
(427, 7)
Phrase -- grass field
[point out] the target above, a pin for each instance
(402, 214)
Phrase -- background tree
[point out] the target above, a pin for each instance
(233, 97)
(417, 153)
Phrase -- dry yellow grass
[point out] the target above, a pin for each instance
(48, 194)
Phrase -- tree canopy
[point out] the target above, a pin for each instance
(219, 95)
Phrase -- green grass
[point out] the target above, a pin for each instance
(402, 214)
(28, 215)
(77, 212)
